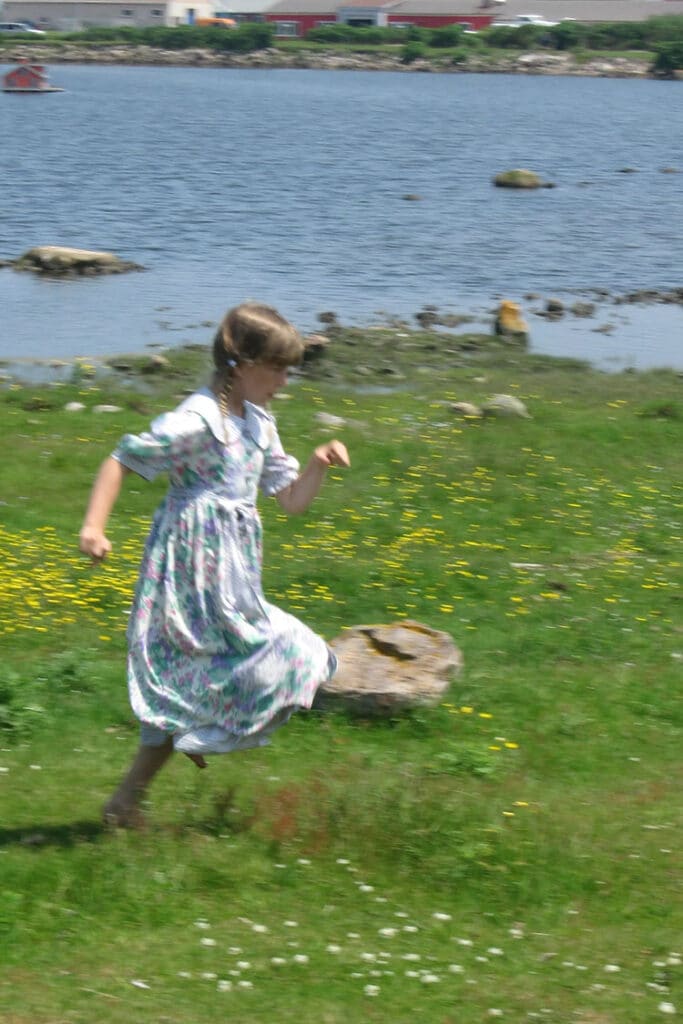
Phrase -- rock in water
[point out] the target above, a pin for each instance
(387, 669)
(62, 261)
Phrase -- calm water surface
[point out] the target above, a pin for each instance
(289, 186)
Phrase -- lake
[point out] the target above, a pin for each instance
(290, 186)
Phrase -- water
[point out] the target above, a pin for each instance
(289, 186)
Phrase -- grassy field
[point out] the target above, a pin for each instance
(514, 853)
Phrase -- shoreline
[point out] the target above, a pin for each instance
(529, 63)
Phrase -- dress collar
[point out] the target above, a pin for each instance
(258, 423)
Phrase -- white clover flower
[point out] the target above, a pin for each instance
(410, 928)
(261, 928)
(343, 860)
(138, 983)
(666, 1008)
(352, 935)
(184, 974)
(612, 968)
(245, 984)
(207, 942)
(201, 923)
(224, 985)
(304, 861)
(400, 913)
(277, 961)
(388, 933)
(412, 974)
(516, 933)
(429, 979)
(332, 948)
(674, 960)
(370, 957)
(243, 965)
(495, 1012)
(208, 976)
(464, 942)
(412, 956)
(438, 916)
(494, 951)
(235, 950)
(371, 990)
(300, 958)
(366, 888)
(456, 968)
(291, 924)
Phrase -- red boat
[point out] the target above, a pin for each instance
(28, 77)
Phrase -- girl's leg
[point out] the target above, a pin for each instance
(123, 807)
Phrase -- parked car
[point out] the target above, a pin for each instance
(524, 19)
(19, 27)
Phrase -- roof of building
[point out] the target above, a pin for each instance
(551, 10)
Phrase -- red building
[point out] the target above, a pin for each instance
(295, 18)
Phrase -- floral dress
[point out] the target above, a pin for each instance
(210, 661)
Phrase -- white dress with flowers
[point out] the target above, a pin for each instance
(210, 661)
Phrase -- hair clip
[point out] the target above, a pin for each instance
(231, 363)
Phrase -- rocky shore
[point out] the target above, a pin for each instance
(533, 63)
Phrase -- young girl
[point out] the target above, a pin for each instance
(212, 666)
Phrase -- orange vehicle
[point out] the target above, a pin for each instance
(215, 23)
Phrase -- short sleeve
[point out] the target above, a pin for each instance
(279, 469)
(171, 437)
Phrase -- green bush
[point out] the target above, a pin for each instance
(413, 50)
(668, 58)
(448, 35)
(251, 36)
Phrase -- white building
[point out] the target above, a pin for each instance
(72, 15)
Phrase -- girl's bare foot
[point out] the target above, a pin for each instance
(197, 759)
(117, 813)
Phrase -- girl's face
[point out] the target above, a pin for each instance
(258, 382)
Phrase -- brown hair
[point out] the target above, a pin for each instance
(252, 333)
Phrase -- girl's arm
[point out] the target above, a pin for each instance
(103, 497)
(298, 495)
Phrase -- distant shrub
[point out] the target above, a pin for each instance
(412, 51)
(447, 35)
(247, 37)
(460, 56)
(370, 36)
(668, 58)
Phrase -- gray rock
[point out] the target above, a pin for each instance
(466, 409)
(505, 405)
(62, 261)
(328, 419)
(519, 177)
(388, 669)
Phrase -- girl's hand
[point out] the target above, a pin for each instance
(93, 542)
(333, 453)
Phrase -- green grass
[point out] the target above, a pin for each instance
(536, 812)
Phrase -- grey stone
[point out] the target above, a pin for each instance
(389, 669)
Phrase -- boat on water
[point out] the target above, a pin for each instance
(28, 78)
